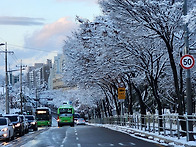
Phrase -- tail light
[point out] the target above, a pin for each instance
(58, 118)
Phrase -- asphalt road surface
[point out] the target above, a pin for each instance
(78, 136)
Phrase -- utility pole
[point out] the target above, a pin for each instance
(188, 77)
(6, 77)
(21, 96)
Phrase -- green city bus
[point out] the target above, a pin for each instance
(43, 116)
(65, 115)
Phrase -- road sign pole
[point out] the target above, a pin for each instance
(121, 98)
(122, 113)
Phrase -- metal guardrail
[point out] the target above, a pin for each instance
(151, 123)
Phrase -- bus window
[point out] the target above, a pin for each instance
(65, 111)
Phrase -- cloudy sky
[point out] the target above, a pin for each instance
(35, 29)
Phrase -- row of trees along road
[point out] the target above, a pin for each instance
(138, 43)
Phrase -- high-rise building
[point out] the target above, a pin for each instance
(37, 75)
(56, 74)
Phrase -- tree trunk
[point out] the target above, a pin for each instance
(130, 106)
(142, 105)
(104, 108)
(108, 107)
(116, 105)
(180, 109)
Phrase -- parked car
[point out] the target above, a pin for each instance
(17, 121)
(25, 123)
(80, 121)
(6, 129)
(32, 122)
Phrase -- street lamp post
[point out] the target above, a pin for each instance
(6, 79)
(188, 78)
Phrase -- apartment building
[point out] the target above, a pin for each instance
(56, 73)
(37, 75)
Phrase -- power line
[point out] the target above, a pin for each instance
(15, 58)
(30, 48)
(1, 49)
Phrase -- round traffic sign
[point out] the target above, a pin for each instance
(187, 61)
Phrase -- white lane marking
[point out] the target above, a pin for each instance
(64, 138)
(77, 138)
(76, 133)
(61, 145)
(79, 145)
(121, 144)
(105, 144)
(132, 143)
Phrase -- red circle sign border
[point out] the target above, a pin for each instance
(183, 58)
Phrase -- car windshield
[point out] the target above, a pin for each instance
(80, 119)
(3, 122)
(13, 118)
(30, 117)
(22, 118)
(76, 116)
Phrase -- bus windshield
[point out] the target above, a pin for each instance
(42, 114)
(43, 117)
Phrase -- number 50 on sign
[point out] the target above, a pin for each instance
(187, 61)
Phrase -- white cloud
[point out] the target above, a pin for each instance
(51, 35)
(24, 21)
(45, 43)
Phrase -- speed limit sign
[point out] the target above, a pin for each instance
(187, 61)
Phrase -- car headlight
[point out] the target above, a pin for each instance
(5, 135)
(17, 125)
(33, 123)
(4, 129)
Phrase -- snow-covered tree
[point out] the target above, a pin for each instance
(116, 43)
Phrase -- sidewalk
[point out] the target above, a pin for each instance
(151, 137)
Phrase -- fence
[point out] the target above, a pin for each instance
(167, 125)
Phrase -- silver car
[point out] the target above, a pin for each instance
(6, 129)
(25, 122)
(80, 121)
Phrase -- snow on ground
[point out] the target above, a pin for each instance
(150, 137)
(54, 122)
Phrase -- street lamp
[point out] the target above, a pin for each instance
(190, 136)
(6, 79)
